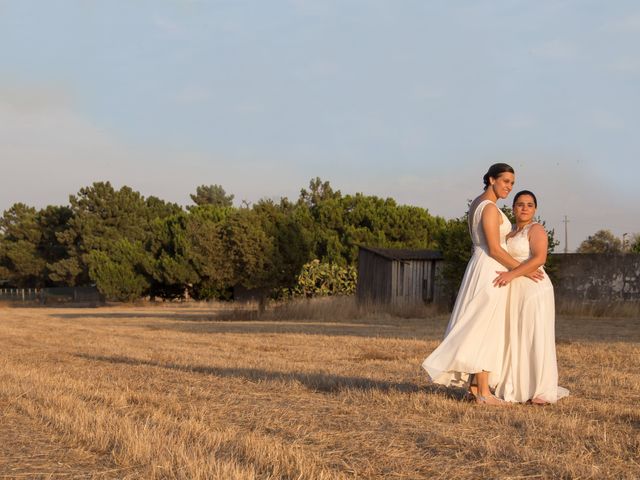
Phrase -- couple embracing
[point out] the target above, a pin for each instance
(501, 335)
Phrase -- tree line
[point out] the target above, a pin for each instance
(603, 241)
(131, 247)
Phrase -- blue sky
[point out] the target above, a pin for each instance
(405, 99)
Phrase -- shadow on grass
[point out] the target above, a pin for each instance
(194, 315)
(568, 329)
(314, 381)
(426, 331)
(597, 330)
(224, 323)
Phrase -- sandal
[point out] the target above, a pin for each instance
(490, 400)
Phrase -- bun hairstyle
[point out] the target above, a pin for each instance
(525, 192)
(495, 171)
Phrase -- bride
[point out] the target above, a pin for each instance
(530, 371)
(476, 336)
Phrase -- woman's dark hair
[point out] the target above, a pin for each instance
(525, 192)
(495, 171)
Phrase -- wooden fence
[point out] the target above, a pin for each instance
(20, 294)
(53, 295)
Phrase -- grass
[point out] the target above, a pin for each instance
(313, 391)
(585, 308)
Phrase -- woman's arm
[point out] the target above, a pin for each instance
(491, 219)
(538, 243)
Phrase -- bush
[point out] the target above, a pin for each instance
(324, 279)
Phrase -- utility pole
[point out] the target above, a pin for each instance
(566, 234)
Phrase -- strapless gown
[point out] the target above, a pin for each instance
(530, 368)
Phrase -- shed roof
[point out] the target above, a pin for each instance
(404, 254)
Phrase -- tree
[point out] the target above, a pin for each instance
(635, 243)
(120, 274)
(339, 224)
(318, 192)
(211, 249)
(603, 241)
(52, 221)
(228, 251)
(207, 253)
(171, 270)
(113, 223)
(291, 241)
(211, 195)
(20, 262)
(28, 243)
(454, 242)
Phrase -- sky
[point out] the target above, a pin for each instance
(410, 99)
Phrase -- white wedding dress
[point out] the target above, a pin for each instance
(475, 337)
(530, 368)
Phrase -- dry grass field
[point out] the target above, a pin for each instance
(192, 392)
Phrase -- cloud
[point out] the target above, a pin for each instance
(606, 121)
(50, 149)
(317, 69)
(626, 65)
(627, 24)
(193, 93)
(310, 7)
(520, 122)
(166, 25)
(39, 124)
(248, 107)
(32, 99)
(427, 93)
(554, 50)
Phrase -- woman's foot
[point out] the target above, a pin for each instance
(472, 393)
(539, 401)
(490, 400)
(472, 389)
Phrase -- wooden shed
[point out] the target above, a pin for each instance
(397, 276)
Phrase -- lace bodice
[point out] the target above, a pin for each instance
(518, 245)
(477, 233)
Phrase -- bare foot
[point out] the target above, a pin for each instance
(490, 400)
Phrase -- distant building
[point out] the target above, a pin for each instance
(397, 276)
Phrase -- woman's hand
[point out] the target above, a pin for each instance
(502, 279)
(536, 276)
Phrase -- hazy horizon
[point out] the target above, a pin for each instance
(410, 100)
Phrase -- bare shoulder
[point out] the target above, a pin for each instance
(537, 228)
(537, 231)
(492, 210)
